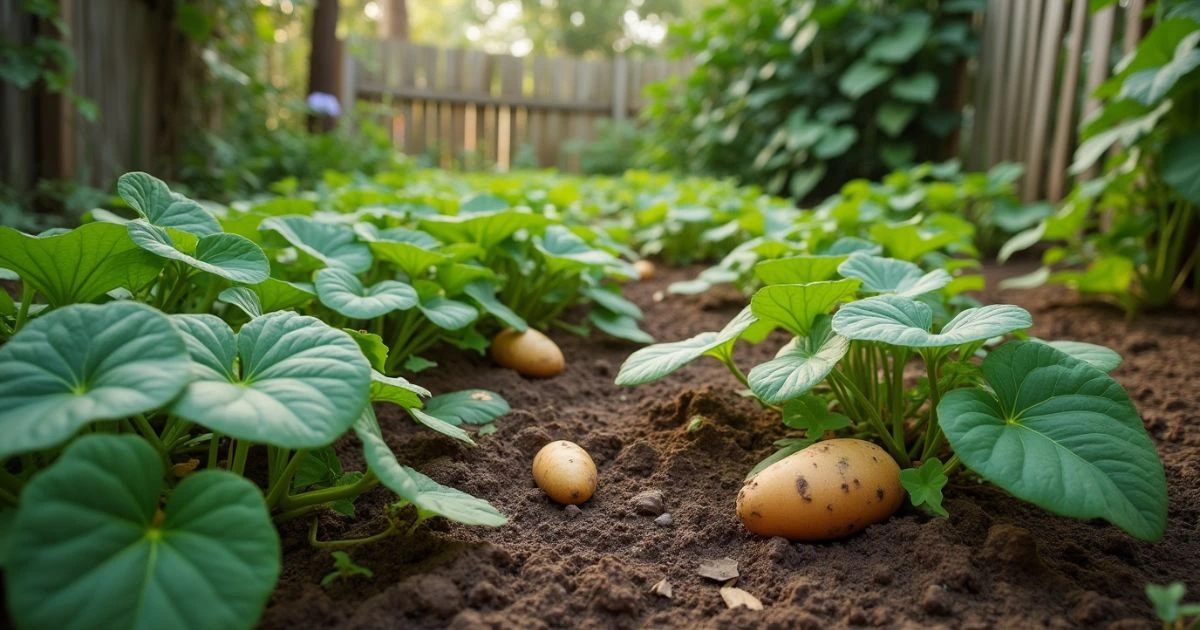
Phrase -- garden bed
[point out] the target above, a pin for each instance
(997, 562)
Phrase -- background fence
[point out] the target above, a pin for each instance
(454, 103)
(1040, 61)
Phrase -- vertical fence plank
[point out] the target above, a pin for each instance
(512, 75)
(1067, 100)
(999, 63)
(1046, 70)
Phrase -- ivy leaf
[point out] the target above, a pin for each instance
(229, 256)
(470, 406)
(889, 275)
(82, 363)
(343, 292)
(427, 495)
(150, 198)
(654, 362)
(79, 265)
(797, 306)
(1058, 433)
(924, 486)
(296, 382)
(800, 365)
(86, 544)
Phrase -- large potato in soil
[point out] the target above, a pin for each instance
(529, 353)
(829, 490)
(565, 472)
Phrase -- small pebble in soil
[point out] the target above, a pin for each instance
(662, 588)
(718, 570)
(572, 511)
(936, 601)
(664, 520)
(649, 502)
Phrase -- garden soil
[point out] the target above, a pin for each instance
(995, 563)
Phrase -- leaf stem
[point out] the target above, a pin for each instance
(148, 432)
(933, 429)
(325, 495)
(350, 542)
(871, 414)
(240, 454)
(27, 292)
(284, 481)
(214, 448)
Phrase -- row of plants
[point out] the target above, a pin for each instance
(796, 96)
(1129, 233)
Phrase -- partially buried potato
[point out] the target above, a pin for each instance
(829, 490)
(530, 353)
(565, 472)
(645, 269)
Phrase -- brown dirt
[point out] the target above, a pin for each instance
(996, 562)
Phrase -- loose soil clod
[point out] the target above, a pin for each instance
(649, 502)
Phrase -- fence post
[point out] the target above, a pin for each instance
(620, 98)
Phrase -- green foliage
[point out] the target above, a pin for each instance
(345, 568)
(1170, 608)
(46, 60)
(1129, 235)
(802, 96)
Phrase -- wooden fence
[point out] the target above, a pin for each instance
(1040, 62)
(463, 105)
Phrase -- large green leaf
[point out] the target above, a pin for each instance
(1102, 358)
(892, 117)
(1060, 434)
(151, 198)
(229, 256)
(448, 314)
(797, 306)
(482, 292)
(412, 259)
(889, 275)
(862, 77)
(1152, 84)
(800, 365)
(564, 249)
(83, 363)
(899, 45)
(1126, 132)
(835, 142)
(333, 244)
(486, 229)
(1180, 166)
(612, 301)
(902, 321)
(267, 296)
(619, 326)
(655, 362)
(298, 383)
(469, 406)
(441, 426)
(797, 269)
(80, 265)
(429, 497)
(918, 88)
(396, 390)
(343, 292)
(87, 549)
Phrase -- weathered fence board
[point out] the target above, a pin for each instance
(466, 107)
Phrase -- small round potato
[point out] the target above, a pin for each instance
(565, 472)
(645, 269)
(829, 490)
(529, 353)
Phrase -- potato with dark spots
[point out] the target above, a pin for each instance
(565, 472)
(829, 490)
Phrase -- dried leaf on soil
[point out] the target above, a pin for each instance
(735, 597)
(719, 570)
(662, 589)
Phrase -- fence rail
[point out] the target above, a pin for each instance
(461, 105)
(1036, 76)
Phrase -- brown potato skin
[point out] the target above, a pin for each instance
(529, 353)
(565, 472)
(829, 490)
(645, 269)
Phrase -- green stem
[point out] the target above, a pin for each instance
(284, 481)
(27, 292)
(148, 432)
(872, 416)
(214, 448)
(239, 457)
(349, 542)
(325, 495)
(896, 404)
(933, 430)
(181, 286)
(951, 465)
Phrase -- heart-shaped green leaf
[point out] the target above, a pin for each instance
(796, 306)
(470, 406)
(862, 77)
(655, 362)
(924, 486)
(265, 297)
(151, 198)
(902, 321)
(889, 275)
(564, 249)
(800, 365)
(484, 295)
(87, 550)
(486, 229)
(1060, 434)
(797, 269)
(343, 292)
(229, 256)
(1102, 358)
(918, 88)
(413, 260)
(301, 384)
(370, 233)
(83, 363)
(899, 45)
(80, 265)
(331, 243)
(427, 495)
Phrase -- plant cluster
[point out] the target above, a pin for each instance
(1042, 420)
(793, 95)
(154, 432)
(1130, 233)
